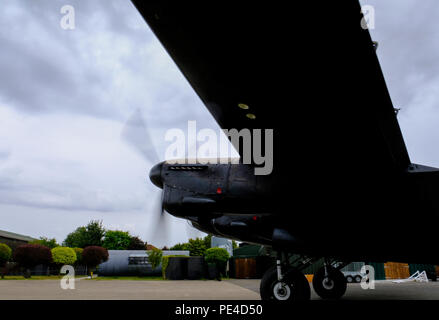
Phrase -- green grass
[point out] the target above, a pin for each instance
(102, 278)
(81, 276)
(126, 278)
(149, 278)
(32, 278)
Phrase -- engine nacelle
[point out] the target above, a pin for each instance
(212, 189)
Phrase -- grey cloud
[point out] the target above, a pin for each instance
(4, 155)
(106, 68)
(65, 197)
(50, 70)
(30, 80)
(408, 53)
(409, 46)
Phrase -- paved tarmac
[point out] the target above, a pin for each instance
(193, 290)
(384, 290)
(125, 290)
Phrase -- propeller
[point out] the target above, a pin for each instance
(161, 228)
(191, 232)
(136, 134)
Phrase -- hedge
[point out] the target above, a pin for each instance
(214, 255)
(5, 254)
(94, 255)
(31, 255)
(63, 255)
(78, 252)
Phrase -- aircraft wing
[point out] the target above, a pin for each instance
(309, 71)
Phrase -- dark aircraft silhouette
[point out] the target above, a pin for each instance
(342, 186)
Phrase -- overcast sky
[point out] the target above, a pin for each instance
(65, 96)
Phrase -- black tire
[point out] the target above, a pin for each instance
(358, 279)
(349, 279)
(295, 288)
(333, 287)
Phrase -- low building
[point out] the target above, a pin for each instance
(132, 263)
(222, 243)
(13, 240)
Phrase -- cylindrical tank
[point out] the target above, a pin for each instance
(177, 268)
(196, 268)
(212, 271)
(132, 263)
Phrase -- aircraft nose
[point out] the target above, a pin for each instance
(156, 175)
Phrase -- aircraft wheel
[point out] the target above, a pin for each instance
(332, 286)
(294, 287)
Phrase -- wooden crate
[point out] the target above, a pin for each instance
(437, 271)
(395, 270)
(245, 268)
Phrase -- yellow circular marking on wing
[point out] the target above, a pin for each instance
(243, 106)
(251, 116)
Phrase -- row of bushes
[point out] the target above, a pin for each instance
(94, 234)
(198, 246)
(28, 256)
(5, 256)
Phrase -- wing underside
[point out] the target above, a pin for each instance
(309, 72)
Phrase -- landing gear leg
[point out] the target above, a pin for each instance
(284, 283)
(329, 282)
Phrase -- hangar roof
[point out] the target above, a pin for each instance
(15, 236)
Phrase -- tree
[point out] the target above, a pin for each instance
(196, 247)
(207, 241)
(78, 252)
(181, 247)
(76, 238)
(116, 240)
(31, 255)
(155, 257)
(216, 255)
(90, 235)
(44, 241)
(136, 244)
(63, 255)
(219, 257)
(94, 256)
(5, 256)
